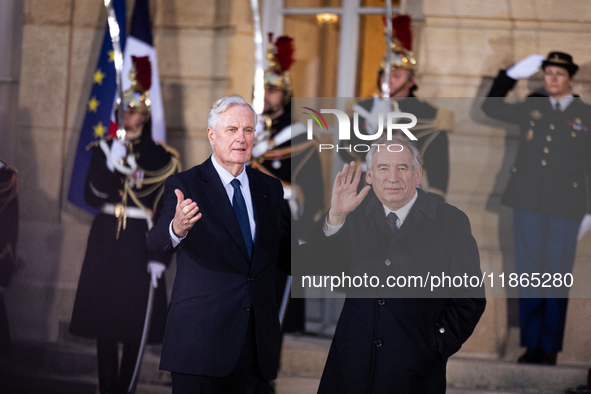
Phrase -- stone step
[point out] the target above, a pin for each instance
(304, 356)
(76, 360)
(67, 368)
(21, 379)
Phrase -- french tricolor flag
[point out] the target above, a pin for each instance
(140, 43)
(99, 118)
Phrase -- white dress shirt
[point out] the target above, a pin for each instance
(402, 213)
(226, 177)
(564, 101)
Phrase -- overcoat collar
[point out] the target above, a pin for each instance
(424, 207)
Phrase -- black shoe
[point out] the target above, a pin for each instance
(531, 356)
(548, 358)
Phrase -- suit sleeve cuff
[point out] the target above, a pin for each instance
(173, 238)
(329, 229)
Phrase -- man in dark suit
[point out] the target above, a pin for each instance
(548, 191)
(384, 345)
(231, 229)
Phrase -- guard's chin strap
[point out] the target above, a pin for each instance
(404, 86)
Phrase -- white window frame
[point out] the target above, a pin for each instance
(349, 13)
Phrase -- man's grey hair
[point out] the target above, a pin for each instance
(222, 105)
(383, 144)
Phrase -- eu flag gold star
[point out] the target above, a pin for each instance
(111, 56)
(93, 104)
(99, 130)
(98, 76)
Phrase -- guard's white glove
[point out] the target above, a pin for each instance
(118, 152)
(585, 226)
(261, 145)
(156, 268)
(380, 106)
(525, 68)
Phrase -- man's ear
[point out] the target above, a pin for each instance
(368, 177)
(419, 175)
(211, 135)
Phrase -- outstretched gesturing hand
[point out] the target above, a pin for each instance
(185, 215)
(344, 197)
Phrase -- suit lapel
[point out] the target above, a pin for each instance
(218, 198)
(257, 193)
(414, 218)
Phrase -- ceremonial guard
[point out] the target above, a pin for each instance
(281, 147)
(433, 124)
(8, 241)
(282, 150)
(126, 181)
(548, 190)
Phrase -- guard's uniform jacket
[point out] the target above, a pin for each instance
(431, 131)
(553, 163)
(114, 283)
(297, 164)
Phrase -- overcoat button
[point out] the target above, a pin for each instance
(442, 330)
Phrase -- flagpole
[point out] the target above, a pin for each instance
(258, 101)
(118, 60)
(387, 69)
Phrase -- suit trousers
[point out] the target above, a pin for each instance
(543, 244)
(245, 378)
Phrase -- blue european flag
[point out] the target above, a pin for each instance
(99, 108)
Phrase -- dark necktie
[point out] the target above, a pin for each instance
(557, 106)
(392, 222)
(242, 215)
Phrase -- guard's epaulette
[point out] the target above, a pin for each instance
(96, 142)
(170, 149)
(7, 166)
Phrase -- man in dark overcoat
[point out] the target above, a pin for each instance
(400, 345)
(548, 191)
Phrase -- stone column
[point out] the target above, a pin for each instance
(463, 45)
(61, 43)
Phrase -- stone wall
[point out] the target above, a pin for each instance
(61, 41)
(205, 50)
(463, 45)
